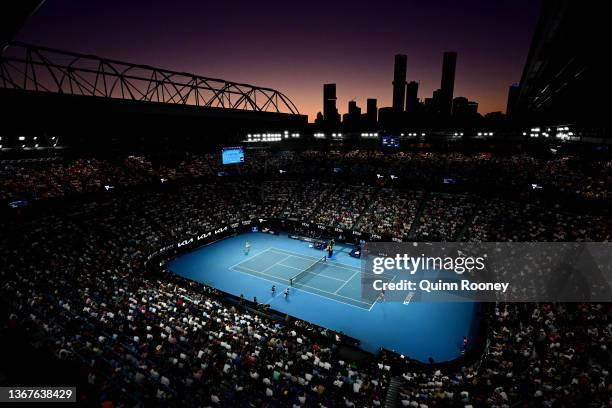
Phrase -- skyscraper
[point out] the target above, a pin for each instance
(372, 112)
(412, 99)
(513, 92)
(353, 109)
(330, 112)
(399, 82)
(353, 116)
(447, 85)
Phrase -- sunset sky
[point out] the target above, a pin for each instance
(295, 47)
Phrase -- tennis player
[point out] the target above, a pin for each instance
(286, 293)
(247, 247)
(273, 290)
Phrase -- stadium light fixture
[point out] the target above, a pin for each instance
(21, 138)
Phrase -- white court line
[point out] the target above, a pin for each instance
(253, 270)
(305, 291)
(277, 263)
(347, 281)
(314, 273)
(290, 254)
(336, 264)
(339, 265)
(254, 256)
(305, 286)
(379, 295)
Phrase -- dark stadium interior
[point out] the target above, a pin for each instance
(110, 170)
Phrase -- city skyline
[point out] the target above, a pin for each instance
(296, 53)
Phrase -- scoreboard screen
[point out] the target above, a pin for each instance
(232, 155)
(390, 142)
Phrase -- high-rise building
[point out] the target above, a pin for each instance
(353, 109)
(330, 112)
(399, 82)
(472, 107)
(460, 107)
(437, 98)
(352, 118)
(513, 93)
(447, 85)
(372, 111)
(412, 99)
(464, 108)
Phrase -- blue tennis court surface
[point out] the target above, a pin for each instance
(329, 294)
(321, 277)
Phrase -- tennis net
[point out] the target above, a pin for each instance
(306, 271)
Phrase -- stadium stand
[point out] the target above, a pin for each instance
(73, 273)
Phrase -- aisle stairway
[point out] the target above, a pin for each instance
(393, 392)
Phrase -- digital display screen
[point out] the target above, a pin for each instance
(19, 204)
(390, 142)
(232, 155)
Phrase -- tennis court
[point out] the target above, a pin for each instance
(328, 278)
(328, 294)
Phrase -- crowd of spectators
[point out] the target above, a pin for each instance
(307, 198)
(443, 217)
(77, 275)
(540, 355)
(167, 341)
(391, 213)
(564, 174)
(513, 221)
(343, 206)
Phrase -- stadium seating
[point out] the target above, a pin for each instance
(76, 274)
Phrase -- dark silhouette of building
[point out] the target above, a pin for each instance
(371, 112)
(436, 102)
(399, 82)
(463, 108)
(352, 118)
(566, 78)
(412, 99)
(319, 119)
(447, 85)
(460, 104)
(386, 117)
(330, 112)
(428, 104)
(513, 93)
(353, 109)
